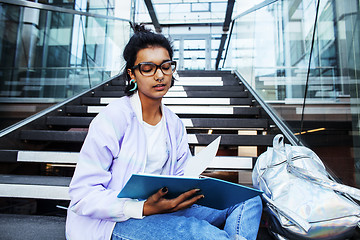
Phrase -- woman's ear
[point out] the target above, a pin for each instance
(131, 74)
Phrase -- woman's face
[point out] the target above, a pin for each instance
(156, 86)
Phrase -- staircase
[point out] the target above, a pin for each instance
(39, 156)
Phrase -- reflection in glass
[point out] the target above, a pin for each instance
(271, 49)
(48, 56)
(55, 54)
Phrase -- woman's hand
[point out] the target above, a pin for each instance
(156, 203)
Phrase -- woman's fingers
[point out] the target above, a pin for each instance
(158, 204)
(159, 194)
(187, 203)
(185, 196)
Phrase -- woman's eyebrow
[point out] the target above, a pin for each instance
(166, 61)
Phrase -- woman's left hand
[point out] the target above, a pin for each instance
(156, 203)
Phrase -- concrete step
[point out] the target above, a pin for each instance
(30, 227)
(180, 110)
(177, 88)
(192, 94)
(71, 158)
(213, 123)
(176, 101)
(39, 187)
(194, 139)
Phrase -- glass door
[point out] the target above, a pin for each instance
(192, 52)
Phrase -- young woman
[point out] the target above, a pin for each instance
(138, 134)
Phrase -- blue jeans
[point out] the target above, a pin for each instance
(197, 222)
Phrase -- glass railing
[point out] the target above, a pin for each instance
(49, 53)
(303, 58)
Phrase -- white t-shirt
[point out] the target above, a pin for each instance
(157, 151)
(157, 154)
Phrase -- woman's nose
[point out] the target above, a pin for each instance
(159, 74)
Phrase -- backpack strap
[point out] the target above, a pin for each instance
(278, 142)
(327, 183)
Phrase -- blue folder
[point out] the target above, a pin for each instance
(219, 194)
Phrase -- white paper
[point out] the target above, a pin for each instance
(197, 164)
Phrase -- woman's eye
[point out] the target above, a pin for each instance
(146, 68)
(166, 66)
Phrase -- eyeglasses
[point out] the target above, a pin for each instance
(149, 69)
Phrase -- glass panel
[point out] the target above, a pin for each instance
(48, 56)
(183, 11)
(200, 7)
(194, 44)
(243, 5)
(194, 54)
(271, 49)
(194, 63)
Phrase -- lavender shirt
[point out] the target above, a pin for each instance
(114, 149)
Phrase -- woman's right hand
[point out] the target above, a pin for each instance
(157, 204)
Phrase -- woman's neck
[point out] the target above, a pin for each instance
(151, 110)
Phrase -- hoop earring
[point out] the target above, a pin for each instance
(135, 85)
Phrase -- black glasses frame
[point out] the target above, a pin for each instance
(156, 67)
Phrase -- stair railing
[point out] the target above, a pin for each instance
(286, 130)
(277, 120)
(46, 111)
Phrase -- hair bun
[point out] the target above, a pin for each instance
(139, 28)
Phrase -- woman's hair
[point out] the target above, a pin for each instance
(143, 38)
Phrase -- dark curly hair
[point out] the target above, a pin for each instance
(143, 38)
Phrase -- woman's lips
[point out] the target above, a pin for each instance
(159, 87)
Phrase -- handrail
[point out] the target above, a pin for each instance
(41, 6)
(228, 42)
(279, 123)
(308, 71)
(86, 53)
(48, 110)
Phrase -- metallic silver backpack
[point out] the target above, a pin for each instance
(302, 201)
